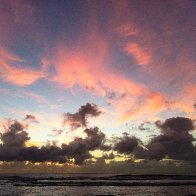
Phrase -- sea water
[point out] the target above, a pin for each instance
(96, 184)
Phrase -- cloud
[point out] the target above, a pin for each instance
(175, 141)
(15, 136)
(185, 98)
(27, 75)
(79, 119)
(126, 144)
(93, 70)
(31, 118)
(141, 56)
(164, 60)
(13, 146)
(10, 73)
(13, 140)
(79, 148)
(178, 124)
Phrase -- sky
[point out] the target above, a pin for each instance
(98, 85)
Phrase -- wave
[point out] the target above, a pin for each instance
(114, 180)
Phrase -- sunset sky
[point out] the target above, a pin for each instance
(99, 82)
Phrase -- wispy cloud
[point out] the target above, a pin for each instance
(20, 76)
(141, 56)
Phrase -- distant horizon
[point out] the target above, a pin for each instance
(101, 174)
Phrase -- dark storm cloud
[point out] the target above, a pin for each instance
(126, 144)
(79, 119)
(175, 141)
(30, 117)
(13, 146)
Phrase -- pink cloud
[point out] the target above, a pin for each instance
(20, 76)
(89, 68)
(141, 55)
(185, 100)
(157, 44)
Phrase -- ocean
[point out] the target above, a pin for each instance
(97, 184)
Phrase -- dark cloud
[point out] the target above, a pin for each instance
(194, 105)
(79, 148)
(140, 152)
(13, 146)
(15, 135)
(178, 124)
(175, 141)
(31, 118)
(94, 138)
(79, 119)
(45, 153)
(126, 144)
